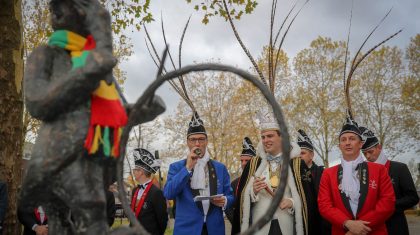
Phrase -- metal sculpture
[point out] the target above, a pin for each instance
(65, 177)
(62, 80)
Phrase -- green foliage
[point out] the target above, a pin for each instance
(212, 8)
(126, 13)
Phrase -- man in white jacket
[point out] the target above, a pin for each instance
(262, 176)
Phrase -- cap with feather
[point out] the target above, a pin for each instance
(196, 125)
(350, 126)
(145, 160)
(247, 148)
(370, 139)
(303, 141)
(267, 121)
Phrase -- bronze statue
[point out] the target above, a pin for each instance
(69, 87)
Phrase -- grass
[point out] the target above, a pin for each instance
(120, 222)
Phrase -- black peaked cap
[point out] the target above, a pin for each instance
(247, 148)
(196, 125)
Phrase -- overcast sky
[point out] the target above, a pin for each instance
(216, 40)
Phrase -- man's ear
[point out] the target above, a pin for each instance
(361, 144)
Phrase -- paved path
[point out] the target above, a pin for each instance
(413, 224)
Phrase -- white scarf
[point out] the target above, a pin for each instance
(350, 185)
(198, 179)
(41, 214)
(382, 159)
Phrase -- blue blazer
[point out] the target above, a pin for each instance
(189, 218)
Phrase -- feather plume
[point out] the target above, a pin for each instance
(356, 61)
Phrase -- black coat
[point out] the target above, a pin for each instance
(153, 216)
(28, 219)
(405, 194)
(229, 211)
(310, 179)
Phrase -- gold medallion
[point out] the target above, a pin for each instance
(274, 181)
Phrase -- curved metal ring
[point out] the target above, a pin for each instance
(149, 93)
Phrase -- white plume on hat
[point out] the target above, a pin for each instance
(267, 120)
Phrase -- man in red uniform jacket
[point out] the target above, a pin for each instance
(356, 197)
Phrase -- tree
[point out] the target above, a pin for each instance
(315, 103)
(377, 98)
(283, 73)
(11, 126)
(413, 56)
(410, 95)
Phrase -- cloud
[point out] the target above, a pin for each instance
(216, 40)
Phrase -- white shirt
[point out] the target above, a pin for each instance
(142, 190)
(41, 217)
(206, 192)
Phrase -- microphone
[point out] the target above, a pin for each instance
(197, 152)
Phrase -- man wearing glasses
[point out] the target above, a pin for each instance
(198, 175)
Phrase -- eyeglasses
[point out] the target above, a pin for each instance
(194, 140)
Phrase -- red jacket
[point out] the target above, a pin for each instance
(376, 202)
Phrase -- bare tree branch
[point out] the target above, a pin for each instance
(260, 74)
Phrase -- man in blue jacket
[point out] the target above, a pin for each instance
(198, 175)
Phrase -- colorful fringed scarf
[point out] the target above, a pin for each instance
(107, 112)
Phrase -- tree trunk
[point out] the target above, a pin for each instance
(11, 111)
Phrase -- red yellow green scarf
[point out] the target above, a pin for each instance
(107, 112)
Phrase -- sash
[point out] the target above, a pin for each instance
(142, 199)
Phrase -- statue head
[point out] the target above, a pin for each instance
(65, 15)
